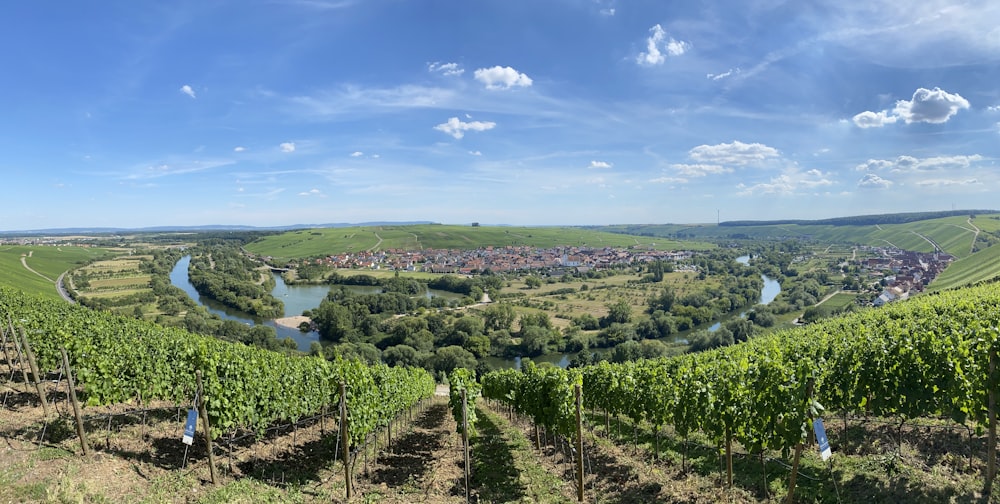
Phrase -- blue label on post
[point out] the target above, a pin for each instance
(824, 443)
(190, 426)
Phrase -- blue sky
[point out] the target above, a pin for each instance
(133, 113)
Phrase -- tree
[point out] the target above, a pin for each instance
(450, 357)
(664, 301)
(400, 355)
(533, 282)
(619, 312)
(499, 316)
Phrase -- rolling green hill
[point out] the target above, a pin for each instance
(49, 262)
(328, 241)
(953, 234)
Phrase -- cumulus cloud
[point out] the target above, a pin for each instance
(457, 128)
(736, 153)
(448, 69)
(600, 164)
(994, 108)
(608, 12)
(188, 90)
(312, 192)
(934, 106)
(475, 153)
(700, 170)
(659, 46)
(500, 77)
(287, 147)
(869, 119)
(872, 181)
(239, 148)
(357, 154)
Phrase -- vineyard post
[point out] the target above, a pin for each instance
(34, 373)
(20, 358)
(991, 442)
(579, 443)
(465, 440)
(729, 457)
(203, 412)
(76, 404)
(345, 439)
(798, 452)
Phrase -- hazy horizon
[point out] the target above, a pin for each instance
(273, 113)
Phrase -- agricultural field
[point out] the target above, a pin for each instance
(113, 278)
(329, 241)
(953, 234)
(35, 268)
(982, 265)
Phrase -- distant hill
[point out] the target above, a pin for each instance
(322, 242)
(195, 229)
(863, 220)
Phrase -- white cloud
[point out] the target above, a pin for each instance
(312, 192)
(723, 75)
(872, 181)
(457, 128)
(608, 12)
(788, 183)
(600, 164)
(668, 180)
(933, 106)
(239, 148)
(700, 170)
(500, 77)
(357, 154)
(868, 119)
(910, 164)
(375, 156)
(174, 167)
(736, 153)
(186, 89)
(947, 182)
(475, 153)
(287, 147)
(448, 69)
(994, 108)
(658, 43)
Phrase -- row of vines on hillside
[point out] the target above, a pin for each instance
(925, 357)
(120, 360)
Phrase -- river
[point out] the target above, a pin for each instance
(297, 299)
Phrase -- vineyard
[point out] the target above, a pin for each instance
(907, 393)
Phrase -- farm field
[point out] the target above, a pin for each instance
(48, 262)
(329, 241)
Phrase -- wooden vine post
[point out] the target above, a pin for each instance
(579, 443)
(991, 441)
(203, 413)
(345, 439)
(34, 373)
(465, 441)
(76, 404)
(20, 358)
(798, 453)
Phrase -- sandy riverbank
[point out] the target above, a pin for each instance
(292, 322)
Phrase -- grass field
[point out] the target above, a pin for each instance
(329, 241)
(49, 262)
